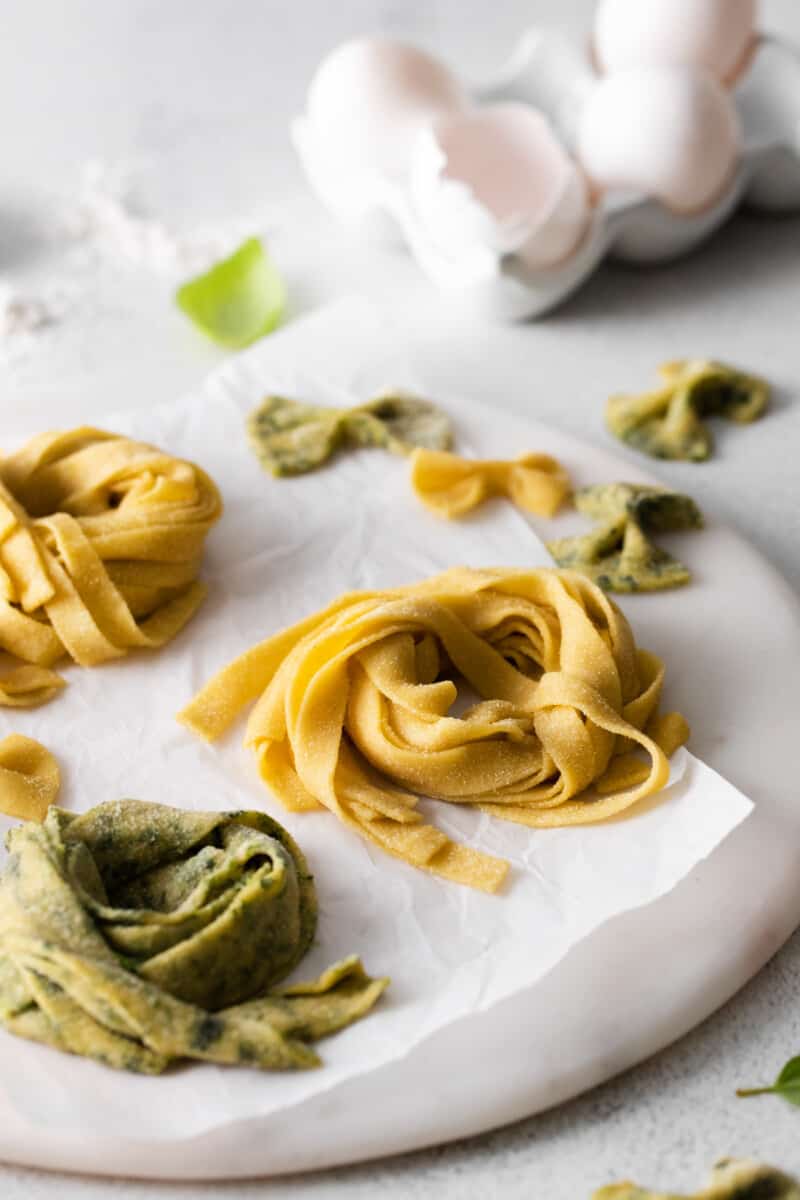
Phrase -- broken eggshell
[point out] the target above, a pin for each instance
(485, 270)
(496, 181)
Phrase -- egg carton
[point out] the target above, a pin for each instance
(552, 74)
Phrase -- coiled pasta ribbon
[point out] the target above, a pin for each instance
(355, 704)
(451, 486)
(137, 934)
(101, 540)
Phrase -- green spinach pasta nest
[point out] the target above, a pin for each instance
(137, 934)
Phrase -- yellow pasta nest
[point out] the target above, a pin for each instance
(451, 486)
(355, 710)
(101, 540)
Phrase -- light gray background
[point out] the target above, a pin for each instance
(200, 92)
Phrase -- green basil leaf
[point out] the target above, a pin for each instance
(787, 1085)
(238, 300)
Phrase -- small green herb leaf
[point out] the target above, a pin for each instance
(787, 1085)
(238, 300)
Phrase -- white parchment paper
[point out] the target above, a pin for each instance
(283, 549)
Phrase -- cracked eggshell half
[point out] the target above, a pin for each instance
(712, 35)
(493, 182)
(367, 103)
(670, 133)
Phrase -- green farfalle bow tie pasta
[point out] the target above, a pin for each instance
(731, 1179)
(138, 934)
(618, 554)
(669, 421)
(290, 437)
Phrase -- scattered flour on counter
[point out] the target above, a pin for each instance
(22, 314)
(26, 314)
(104, 228)
(108, 220)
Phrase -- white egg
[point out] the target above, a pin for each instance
(369, 99)
(495, 181)
(712, 34)
(669, 132)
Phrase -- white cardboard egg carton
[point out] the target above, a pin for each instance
(553, 75)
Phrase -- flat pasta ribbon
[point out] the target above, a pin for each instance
(354, 710)
(137, 934)
(669, 422)
(451, 486)
(29, 778)
(101, 540)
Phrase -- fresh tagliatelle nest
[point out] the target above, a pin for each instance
(101, 540)
(355, 711)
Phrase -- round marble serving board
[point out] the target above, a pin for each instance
(732, 645)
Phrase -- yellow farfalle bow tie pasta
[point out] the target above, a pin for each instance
(355, 704)
(101, 540)
(451, 486)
